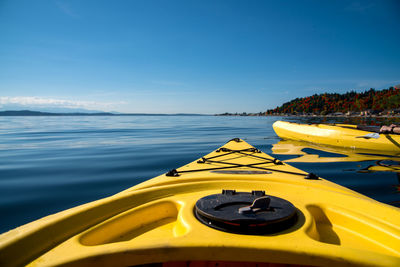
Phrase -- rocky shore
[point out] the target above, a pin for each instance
(364, 114)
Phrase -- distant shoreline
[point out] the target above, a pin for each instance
(312, 115)
(39, 113)
(341, 116)
(16, 113)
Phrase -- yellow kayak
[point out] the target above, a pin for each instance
(340, 135)
(232, 207)
(335, 154)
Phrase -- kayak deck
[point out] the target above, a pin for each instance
(154, 222)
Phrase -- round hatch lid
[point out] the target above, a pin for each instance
(246, 213)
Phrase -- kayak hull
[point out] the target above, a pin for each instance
(154, 222)
(340, 135)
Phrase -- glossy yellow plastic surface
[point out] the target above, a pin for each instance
(339, 154)
(153, 222)
(341, 135)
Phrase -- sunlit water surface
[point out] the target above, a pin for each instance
(48, 164)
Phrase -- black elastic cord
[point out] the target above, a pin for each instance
(175, 173)
(252, 149)
(254, 166)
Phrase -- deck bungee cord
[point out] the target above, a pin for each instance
(176, 173)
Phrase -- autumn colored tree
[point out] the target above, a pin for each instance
(371, 100)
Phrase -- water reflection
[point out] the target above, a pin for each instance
(311, 153)
(343, 160)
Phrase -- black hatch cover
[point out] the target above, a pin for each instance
(246, 213)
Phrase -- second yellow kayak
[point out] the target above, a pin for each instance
(340, 135)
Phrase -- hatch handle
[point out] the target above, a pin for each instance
(259, 204)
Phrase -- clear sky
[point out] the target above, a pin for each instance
(193, 56)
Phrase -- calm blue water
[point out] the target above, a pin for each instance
(48, 164)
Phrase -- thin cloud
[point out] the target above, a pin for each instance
(66, 9)
(32, 101)
(308, 84)
(168, 83)
(378, 84)
(360, 7)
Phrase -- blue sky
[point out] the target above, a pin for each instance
(193, 56)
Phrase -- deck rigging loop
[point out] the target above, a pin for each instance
(230, 165)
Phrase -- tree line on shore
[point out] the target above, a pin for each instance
(369, 102)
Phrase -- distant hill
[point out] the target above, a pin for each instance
(372, 101)
(39, 113)
(49, 109)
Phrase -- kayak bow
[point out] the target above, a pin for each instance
(236, 205)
